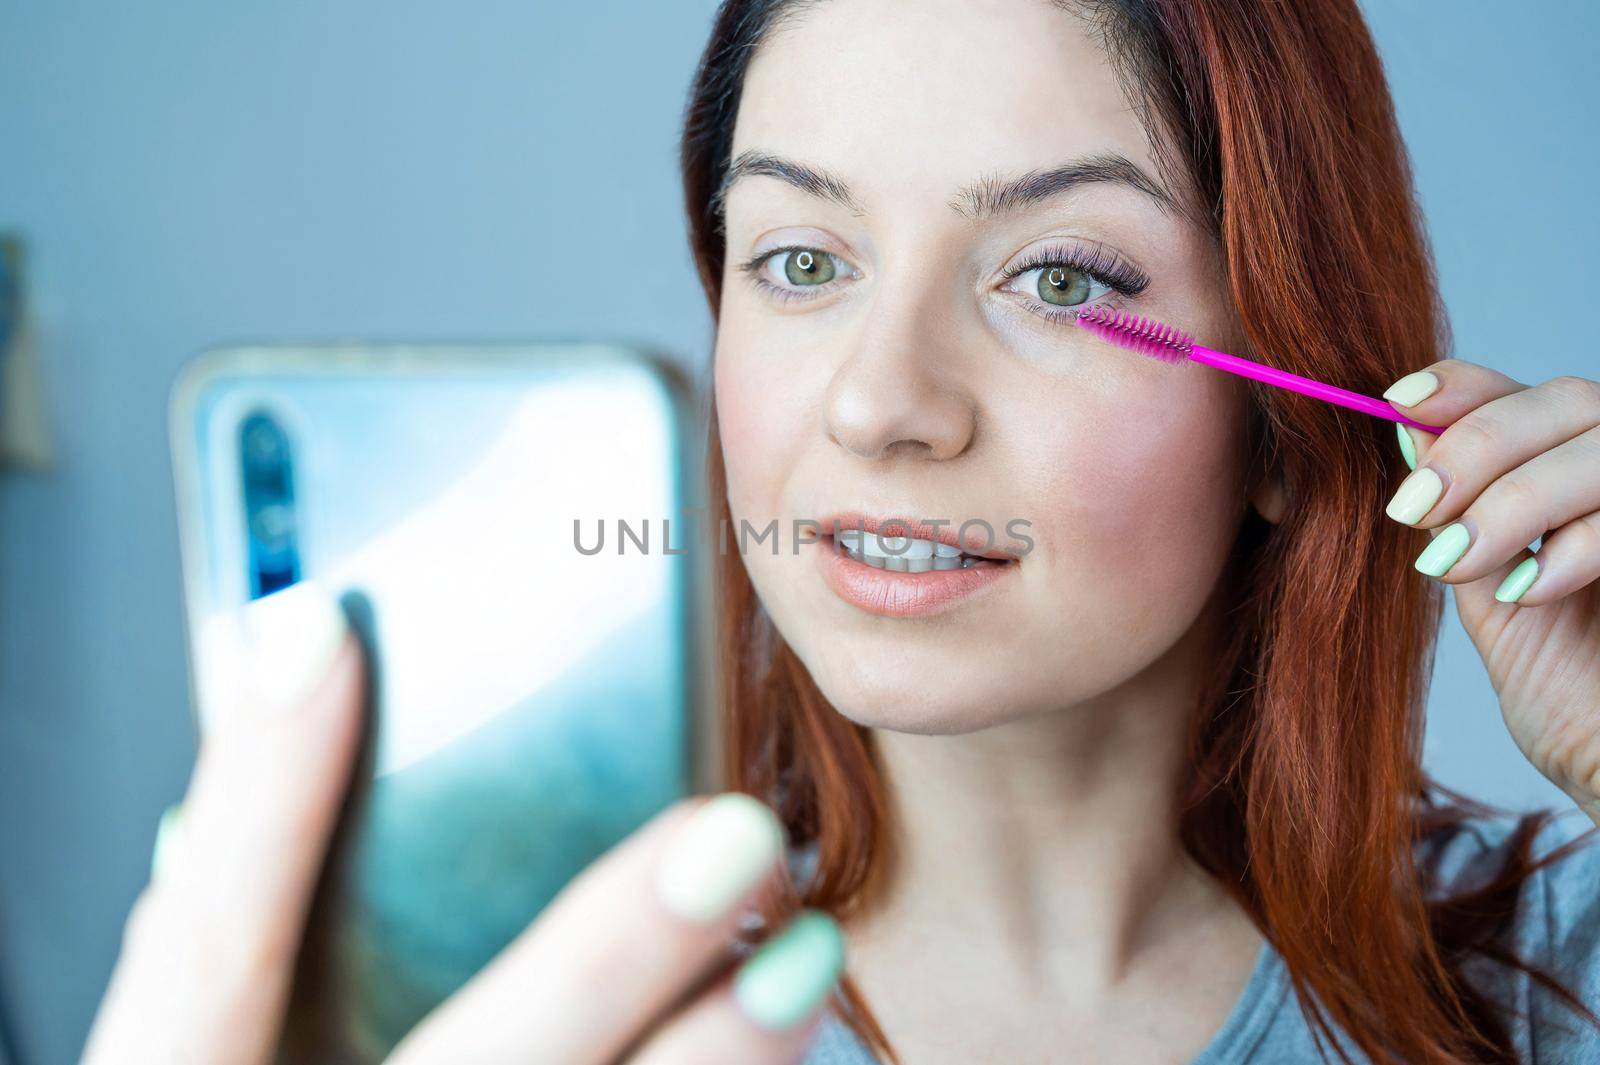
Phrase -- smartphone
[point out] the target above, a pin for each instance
(531, 699)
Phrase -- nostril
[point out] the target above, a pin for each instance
(913, 448)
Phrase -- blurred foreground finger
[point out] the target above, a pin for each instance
(209, 946)
(767, 1012)
(621, 945)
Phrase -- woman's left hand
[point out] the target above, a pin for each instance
(1513, 463)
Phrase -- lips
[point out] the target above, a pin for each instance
(925, 572)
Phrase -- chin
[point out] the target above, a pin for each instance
(939, 697)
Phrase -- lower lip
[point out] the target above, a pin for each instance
(891, 593)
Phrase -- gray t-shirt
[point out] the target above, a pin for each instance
(1557, 927)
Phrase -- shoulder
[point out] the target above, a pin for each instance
(1570, 890)
(1471, 853)
(1554, 923)
(836, 1044)
(802, 861)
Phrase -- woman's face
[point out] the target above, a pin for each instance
(925, 191)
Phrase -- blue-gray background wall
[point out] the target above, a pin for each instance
(187, 174)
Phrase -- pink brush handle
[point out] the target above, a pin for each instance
(1304, 385)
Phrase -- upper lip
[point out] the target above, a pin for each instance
(947, 533)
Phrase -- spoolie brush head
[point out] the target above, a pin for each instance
(1137, 334)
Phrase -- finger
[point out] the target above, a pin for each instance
(265, 793)
(1490, 441)
(1567, 560)
(767, 1012)
(210, 944)
(1439, 395)
(1443, 392)
(623, 943)
(1546, 492)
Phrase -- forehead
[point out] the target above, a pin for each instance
(913, 98)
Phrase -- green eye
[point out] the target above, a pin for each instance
(806, 267)
(1063, 287)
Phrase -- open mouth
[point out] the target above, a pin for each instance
(906, 554)
(908, 569)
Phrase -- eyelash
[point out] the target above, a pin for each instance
(752, 269)
(1095, 261)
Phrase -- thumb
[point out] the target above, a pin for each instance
(1414, 444)
(210, 947)
(272, 768)
(1475, 600)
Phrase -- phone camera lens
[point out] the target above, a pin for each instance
(268, 484)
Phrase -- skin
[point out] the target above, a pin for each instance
(1516, 461)
(925, 386)
(606, 974)
(1029, 737)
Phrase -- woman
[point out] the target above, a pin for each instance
(1109, 795)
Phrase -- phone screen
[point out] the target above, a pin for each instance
(533, 665)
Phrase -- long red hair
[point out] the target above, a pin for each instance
(1307, 798)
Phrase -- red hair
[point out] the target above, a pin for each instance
(1306, 798)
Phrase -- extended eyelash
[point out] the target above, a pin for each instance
(1100, 264)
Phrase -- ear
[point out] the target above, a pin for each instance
(1269, 496)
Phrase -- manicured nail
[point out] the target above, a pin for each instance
(1518, 580)
(1413, 388)
(718, 855)
(1415, 497)
(1408, 450)
(291, 638)
(1444, 550)
(788, 975)
(168, 829)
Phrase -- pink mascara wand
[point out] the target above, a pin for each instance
(1173, 345)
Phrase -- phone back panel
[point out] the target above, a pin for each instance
(530, 702)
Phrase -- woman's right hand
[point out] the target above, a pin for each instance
(632, 957)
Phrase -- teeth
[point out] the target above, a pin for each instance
(902, 564)
(901, 554)
(901, 547)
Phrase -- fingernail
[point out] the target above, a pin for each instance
(1415, 497)
(1413, 388)
(291, 638)
(721, 851)
(168, 829)
(1408, 450)
(1518, 580)
(1444, 550)
(788, 975)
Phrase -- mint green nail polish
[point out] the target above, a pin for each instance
(1408, 450)
(780, 984)
(1518, 580)
(166, 837)
(1437, 558)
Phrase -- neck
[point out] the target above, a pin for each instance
(1052, 839)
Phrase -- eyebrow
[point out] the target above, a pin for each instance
(987, 197)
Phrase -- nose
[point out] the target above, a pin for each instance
(901, 391)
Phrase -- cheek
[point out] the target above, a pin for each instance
(1142, 507)
(759, 422)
